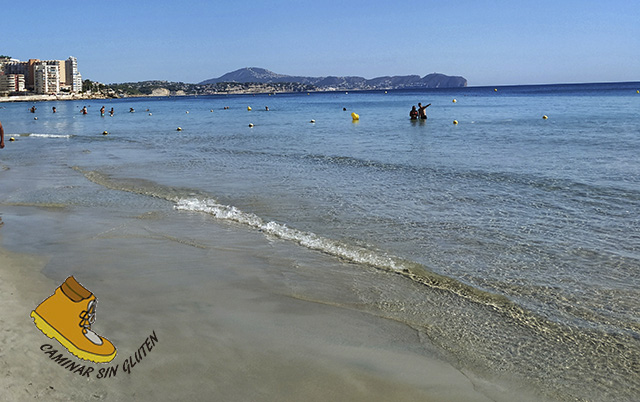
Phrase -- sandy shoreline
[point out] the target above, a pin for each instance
(238, 316)
(223, 335)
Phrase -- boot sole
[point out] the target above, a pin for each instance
(52, 333)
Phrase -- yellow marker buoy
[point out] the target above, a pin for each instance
(455, 122)
(495, 89)
(250, 124)
(249, 108)
(545, 117)
(638, 91)
(385, 92)
(312, 121)
(355, 116)
(105, 132)
(454, 101)
(211, 110)
(150, 114)
(35, 118)
(187, 112)
(179, 129)
(12, 139)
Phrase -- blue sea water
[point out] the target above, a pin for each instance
(522, 233)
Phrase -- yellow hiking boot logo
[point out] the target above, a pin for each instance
(67, 316)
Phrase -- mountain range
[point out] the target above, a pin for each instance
(263, 76)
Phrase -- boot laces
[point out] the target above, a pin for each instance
(88, 316)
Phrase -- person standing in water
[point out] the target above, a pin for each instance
(413, 114)
(422, 111)
(1, 136)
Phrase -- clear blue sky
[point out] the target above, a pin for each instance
(492, 42)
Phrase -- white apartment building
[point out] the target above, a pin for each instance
(12, 83)
(46, 78)
(73, 79)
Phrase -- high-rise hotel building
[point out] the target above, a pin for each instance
(72, 77)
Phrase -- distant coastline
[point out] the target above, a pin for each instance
(340, 83)
(159, 89)
(56, 97)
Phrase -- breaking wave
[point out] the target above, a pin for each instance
(36, 135)
(352, 253)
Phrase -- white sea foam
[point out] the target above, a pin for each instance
(306, 239)
(47, 135)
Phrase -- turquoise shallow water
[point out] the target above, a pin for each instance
(521, 233)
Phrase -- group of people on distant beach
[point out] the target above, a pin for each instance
(421, 112)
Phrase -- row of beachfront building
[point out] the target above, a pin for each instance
(39, 76)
